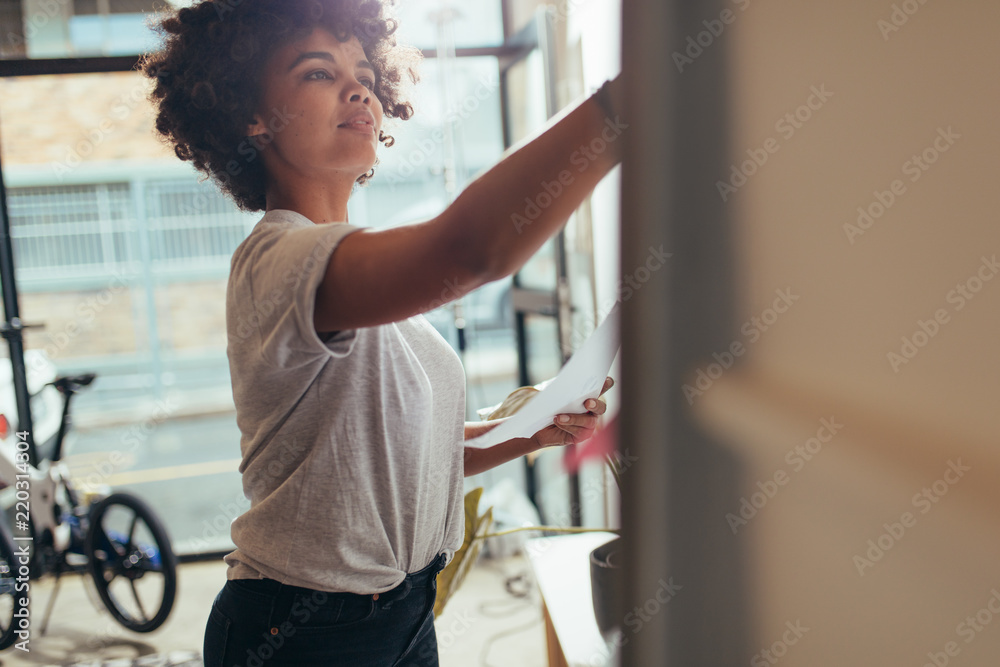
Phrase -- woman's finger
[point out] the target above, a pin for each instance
(584, 419)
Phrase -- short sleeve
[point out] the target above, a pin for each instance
(285, 266)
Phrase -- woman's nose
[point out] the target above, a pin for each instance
(359, 92)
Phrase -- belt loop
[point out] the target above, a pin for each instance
(281, 608)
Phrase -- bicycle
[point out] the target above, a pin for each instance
(114, 537)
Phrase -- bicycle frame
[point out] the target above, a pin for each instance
(47, 489)
(61, 525)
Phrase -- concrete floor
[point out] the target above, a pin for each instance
(483, 624)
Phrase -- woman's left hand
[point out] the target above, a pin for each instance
(579, 427)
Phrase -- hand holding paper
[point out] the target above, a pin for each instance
(577, 427)
(581, 378)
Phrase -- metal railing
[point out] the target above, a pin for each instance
(146, 233)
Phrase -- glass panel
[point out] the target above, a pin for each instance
(123, 252)
(410, 180)
(475, 23)
(526, 112)
(53, 29)
(410, 185)
(119, 34)
(59, 29)
(544, 359)
(527, 115)
(539, 272)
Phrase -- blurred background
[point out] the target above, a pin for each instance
(121, 253)
(812, 388)
(809, 385)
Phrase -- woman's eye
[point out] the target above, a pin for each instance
(321, 73)
(368, 83)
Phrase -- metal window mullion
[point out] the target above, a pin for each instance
(138, 192)
(106, 226)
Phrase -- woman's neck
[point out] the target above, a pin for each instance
(320, 201)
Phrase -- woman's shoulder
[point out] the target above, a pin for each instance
(294, 236)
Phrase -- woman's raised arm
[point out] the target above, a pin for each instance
(491, 229)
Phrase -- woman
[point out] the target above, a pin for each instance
(350, 405)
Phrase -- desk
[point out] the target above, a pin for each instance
(561, 566)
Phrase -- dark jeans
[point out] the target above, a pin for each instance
(264, 623)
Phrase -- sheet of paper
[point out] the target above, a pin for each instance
(581, 377)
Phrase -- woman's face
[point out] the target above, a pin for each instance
(318, 111)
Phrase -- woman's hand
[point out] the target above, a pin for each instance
(579, 427)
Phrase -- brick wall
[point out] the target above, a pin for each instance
(79, 118)
(113, 320)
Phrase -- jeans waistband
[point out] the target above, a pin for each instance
(431, 570)
(416, 579)
(284, 594)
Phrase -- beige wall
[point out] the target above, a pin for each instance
(68, 120)
(827, 355)
(889, 99)
(191, 317)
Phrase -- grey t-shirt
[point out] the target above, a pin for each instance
(352, 443)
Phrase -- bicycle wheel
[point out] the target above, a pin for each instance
(11, 600)
(130, 559)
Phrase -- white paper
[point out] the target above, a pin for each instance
(581, 378)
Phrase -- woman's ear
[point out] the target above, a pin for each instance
(257, 128)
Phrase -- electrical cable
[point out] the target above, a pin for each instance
(484, 654)
(520, 587)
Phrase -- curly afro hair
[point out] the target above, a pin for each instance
(209, 70)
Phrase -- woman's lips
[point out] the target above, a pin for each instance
(361, 121)
(364, 128)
